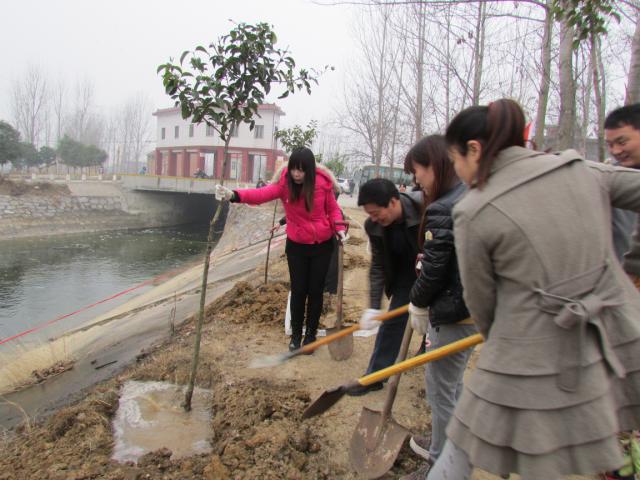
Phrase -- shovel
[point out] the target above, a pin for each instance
(280, 358)
(377, 439)
(342, 348)
(329, 398)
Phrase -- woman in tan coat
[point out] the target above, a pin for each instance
(559, 374)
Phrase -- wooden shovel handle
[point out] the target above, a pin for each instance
(310, 347)
(436, 354)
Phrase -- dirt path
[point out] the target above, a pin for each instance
(258, 431)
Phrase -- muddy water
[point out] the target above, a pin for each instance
(41, 280)
(150, 417)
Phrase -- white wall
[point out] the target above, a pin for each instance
(268, 118)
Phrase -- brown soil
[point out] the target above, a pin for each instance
(355, 240)
(17, 188)
(244, 303)
(355, 261)
(256, 413)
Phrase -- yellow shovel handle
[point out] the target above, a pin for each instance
(436, 354)
(396, 312)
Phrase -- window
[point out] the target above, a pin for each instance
(234, 131)
(234, 165)
(210, 131)
(162, 133)
(259, 131)
(191, 130)
(176, 131)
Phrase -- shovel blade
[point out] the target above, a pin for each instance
(375, 444)
(324, 402)
(342, 348)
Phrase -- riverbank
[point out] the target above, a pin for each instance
(147, 316)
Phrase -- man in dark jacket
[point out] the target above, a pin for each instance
(392, 227)
(622, 133)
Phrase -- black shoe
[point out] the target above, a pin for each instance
(294, 345)
(307, 341)
(364, 389)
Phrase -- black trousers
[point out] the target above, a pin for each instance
(308, 265)
(390, 333)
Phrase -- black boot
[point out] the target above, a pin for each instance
(294, 344)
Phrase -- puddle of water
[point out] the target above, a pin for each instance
(150, 417)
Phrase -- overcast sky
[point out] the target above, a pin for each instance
(118, 44)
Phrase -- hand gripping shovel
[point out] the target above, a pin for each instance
(330, 397)
(377, 439)
(275, 360)
(342, 348)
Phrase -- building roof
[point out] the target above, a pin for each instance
(263, 107)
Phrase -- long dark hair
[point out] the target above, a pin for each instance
(496, 127)
(302, 159)
(431, 151)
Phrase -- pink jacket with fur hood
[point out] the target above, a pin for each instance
(316, 226)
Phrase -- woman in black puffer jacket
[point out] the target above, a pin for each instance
(437, 307)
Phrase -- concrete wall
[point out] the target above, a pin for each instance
(96, 206)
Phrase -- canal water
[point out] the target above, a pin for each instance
(41, 280)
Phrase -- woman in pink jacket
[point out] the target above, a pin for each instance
(312, 214)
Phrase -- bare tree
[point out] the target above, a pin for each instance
(633, 83)
(545, 76)
(84, 124)
(132, 127)
(58, 103)
(367, 111)
(29, 102)
(599, 90)
(567, 118)
(478, 53)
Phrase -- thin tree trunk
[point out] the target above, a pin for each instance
(478, 53)
(394, 134)
(633, 82)
(586, 111)
(448, 65)
(420, 71)
(598, 89)
(221, 210)
(381, 95)
(567, 118)
(545, 78)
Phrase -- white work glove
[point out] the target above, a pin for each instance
(223, 193)
(342, 236)
(368, 319)
(419, 318)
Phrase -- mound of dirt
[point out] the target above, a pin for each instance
(244, 303)
(259, 433)
(13, 188)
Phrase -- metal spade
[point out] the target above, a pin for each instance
(377, 439)
(329, 398)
